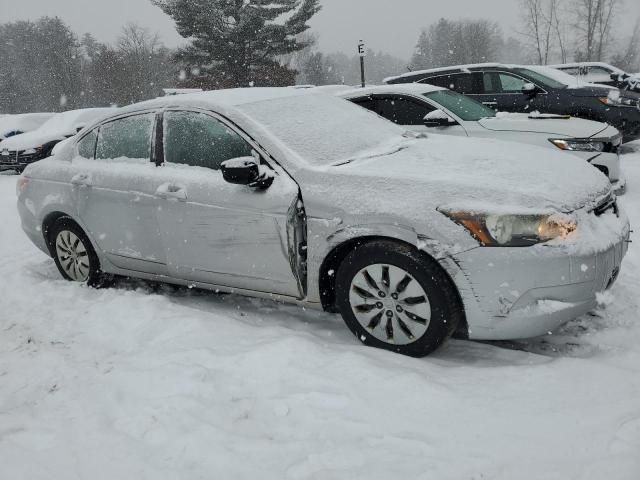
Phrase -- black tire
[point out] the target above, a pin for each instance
(94, 277)
(446, 310)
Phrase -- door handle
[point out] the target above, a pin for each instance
(172, 191)
(489, 104)
(81, 180)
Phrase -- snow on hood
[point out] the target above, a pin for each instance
(58, 127)
(561, 126)
(477, 174)
(23, 122)
(569, 80)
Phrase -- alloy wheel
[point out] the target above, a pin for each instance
(390, 304)
(73, 256)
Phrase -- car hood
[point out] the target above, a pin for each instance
(33, 139)
(553, 125)
(468, 173)
(591, 91)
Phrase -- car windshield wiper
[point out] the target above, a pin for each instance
(372, 155)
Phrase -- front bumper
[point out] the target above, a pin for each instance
(626, 120)
(12, 160)
(515, 293)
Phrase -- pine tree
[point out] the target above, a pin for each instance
(239, 42)
(422, 55)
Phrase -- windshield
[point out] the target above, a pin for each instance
(548, 77)
(323, 129)
(464, 107)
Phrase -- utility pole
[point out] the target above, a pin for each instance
(362, 54)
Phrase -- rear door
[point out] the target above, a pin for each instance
(223, 234)
(112, 184)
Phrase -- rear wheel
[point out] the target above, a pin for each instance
(73, 253)
(394, 297)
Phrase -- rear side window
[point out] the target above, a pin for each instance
(199, 140)
(464, 83)
(128, 137)
(87, 146)
(403, 111)
(365, 102)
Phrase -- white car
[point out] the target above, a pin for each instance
(601, 73)
(19, 151)
(11, 125)
(425, 108)
(299, 196)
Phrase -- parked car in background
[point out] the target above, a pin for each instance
(19, 151)
(304, 197)
(425, 108)
(11, 125)
(601, 73)
(514, 88)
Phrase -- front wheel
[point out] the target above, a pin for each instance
(394, 297)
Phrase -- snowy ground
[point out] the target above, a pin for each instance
(143, 381)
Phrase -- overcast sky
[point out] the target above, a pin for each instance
(389, 25)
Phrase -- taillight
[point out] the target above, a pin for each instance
(21, 184)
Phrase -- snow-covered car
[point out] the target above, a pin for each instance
(304, 197)
(19, 151)
(529, 88)
(602, 73)
(11, 125)
(425, 108)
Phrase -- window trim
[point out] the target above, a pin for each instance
(406, 97)
(113, 119)
(262, 152)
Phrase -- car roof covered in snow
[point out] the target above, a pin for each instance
(451, 68)
(402, 88)
(587, 64)
(223, 99)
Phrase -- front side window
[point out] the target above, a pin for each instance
(403, 111)
(87, 146)
(464, 107)
(128, 137)
(200, 140)
(510, 83)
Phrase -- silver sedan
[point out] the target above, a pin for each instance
(306, 198)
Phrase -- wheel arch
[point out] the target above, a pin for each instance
(331, 263)
(50, 220)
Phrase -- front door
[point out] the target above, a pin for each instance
(503, 91)
(216, 232)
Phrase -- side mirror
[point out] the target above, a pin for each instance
(438, 118)
(246, 171)
(530, 89)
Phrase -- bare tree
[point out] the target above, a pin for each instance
(541, 22)
(629, 58)
(593, 22)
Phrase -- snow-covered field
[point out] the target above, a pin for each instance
(145, 381)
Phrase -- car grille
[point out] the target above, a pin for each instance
(19, 157)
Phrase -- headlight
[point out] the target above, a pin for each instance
(514, 230)
(577, 145)
(613, 99)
